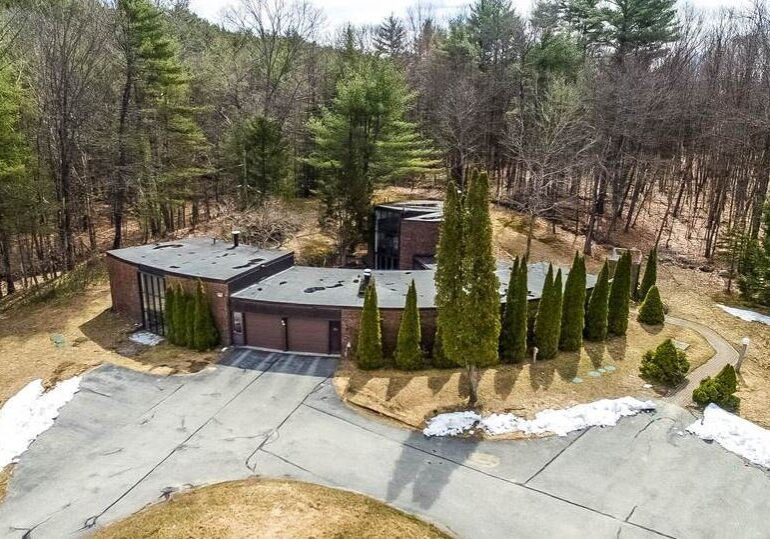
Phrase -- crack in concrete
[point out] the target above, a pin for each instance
(164, 399)
(96, 392)
(557, 455)
(650, 422)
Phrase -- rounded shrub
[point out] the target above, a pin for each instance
(666, 365)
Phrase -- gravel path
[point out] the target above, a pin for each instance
(725, 353)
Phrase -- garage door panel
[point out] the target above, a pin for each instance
(264, 331)
(309, 335)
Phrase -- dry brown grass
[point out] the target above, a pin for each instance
(5, 477)
(91, 334)
(269, 508)
(523, 389)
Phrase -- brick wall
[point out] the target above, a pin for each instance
(124, 288)
(391, 320)
(416, 238)
(218, 300)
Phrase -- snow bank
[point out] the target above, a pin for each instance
(146, 338)
(29, 413)
(743, 314)
(601, 413)
(735, 434)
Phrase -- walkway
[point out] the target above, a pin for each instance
(725, 353)
(128, 439)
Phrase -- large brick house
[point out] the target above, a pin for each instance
(260, 298)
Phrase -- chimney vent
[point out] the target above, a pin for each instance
(365, 282)
(236, 238)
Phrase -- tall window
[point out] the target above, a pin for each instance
(153, 292)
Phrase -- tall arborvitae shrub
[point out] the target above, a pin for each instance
(719, 390)
(620, 297)
(408, 352)
(596, 313)
(448, 277)
(573, 307)
(650, 275)
(369, 345)
(651, 312)
(187, 316)
(439, 359)
(205, 334)
(548, 321)
(513, 333)
(479, 324)
(170, 313)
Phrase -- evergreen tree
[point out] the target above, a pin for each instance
(448, 277)
(369, 346)
(390, 37)
(651, 311)
(548, 321)
(188, 320)
(596, 314)
(439, 359)
(263, 159)
(408, 352)
(360, 139)
(513, 336)
(620, 296)
(573, 307)
(650, 275)
(666, 365)
(205, 334)
(719, 390)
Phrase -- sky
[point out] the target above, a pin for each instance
(359, 12)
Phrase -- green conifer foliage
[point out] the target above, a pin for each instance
(369, 345)
(548, 321)
(170, 313)
(596, 314)
(650, 275)
(205, 334)
(188, 320)
(440, 359)
(479, 328)
(448, 277)
(666, 365)
(719, 390)
(408, 351)
(513, 336)
(620, 297)
(573, 307)
(651, 312)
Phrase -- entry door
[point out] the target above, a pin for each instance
(335, 337)
(238, 329)
(152, 289)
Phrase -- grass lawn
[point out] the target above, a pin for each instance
(269, 508)
(523, 389)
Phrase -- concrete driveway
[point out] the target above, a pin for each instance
(128, 439)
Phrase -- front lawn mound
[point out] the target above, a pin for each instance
(269, 508)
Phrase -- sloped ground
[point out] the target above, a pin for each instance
(129, 439)
(270, 509)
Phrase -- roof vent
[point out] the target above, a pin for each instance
(236, 238)
(364, 282)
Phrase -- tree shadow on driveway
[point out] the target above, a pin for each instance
(424, 465)
(279, 362)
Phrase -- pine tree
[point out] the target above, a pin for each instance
(513, 335)
(596, 314)
(369, 346)
(651, 312)
(408, 352)
(263, 159)
(548, 321)
(448, 277)
(573, 307)
(650, 275)
(620, 296)
(390, 37)
(205, 334)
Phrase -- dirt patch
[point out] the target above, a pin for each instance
(5, 477)
(525, 389)
(66, 337)
(270, 508)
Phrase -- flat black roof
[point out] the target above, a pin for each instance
(417, 210)
(202, 258)
(338, 287)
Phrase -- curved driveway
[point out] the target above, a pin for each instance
(128, 439)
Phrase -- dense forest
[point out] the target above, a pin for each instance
(137, 115)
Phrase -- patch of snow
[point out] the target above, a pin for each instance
(451, 424)
(146, 338)
(29, 413)
(647, 386)
(735, 434)
(601, 413)
(744, 314)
